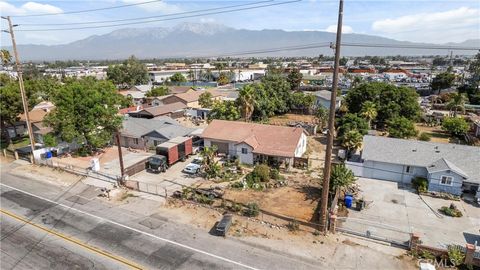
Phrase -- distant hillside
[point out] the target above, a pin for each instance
(193, 40)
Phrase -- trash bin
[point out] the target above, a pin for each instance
(359, 205)
(348, 201)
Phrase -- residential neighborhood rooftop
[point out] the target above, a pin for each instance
(165, 126)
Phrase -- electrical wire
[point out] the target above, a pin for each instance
(149, 17)
(159, 20)
(428, 47)
(87, 10)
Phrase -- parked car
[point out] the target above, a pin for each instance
(194, 166)
(157, 163)
(224, 225)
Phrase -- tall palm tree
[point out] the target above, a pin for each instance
(246, 101)
(352, 140)
(5, 56)
(369, 112)
(457, 103)
(322, 115)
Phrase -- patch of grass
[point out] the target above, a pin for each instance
(451, 211)
(127, 195)
(293, 226)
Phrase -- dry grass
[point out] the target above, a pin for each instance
(437, 135)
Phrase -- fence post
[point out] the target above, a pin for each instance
(4, 152)
(469, 251)
(333, 223)
(414, 241)
(16, 155)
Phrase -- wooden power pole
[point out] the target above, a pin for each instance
(331, 127)
(20, 83)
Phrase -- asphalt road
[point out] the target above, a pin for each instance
(49, 227)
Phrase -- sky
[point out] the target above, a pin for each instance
(432, 21)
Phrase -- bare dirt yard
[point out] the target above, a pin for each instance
(438, 135)
(283, 120)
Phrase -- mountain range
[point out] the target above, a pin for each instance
(211, 40)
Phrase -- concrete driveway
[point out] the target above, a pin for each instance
(400, 208)
(171, 180)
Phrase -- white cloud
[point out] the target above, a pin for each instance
(207, 20)
(346, 29)
(162, 6)
(28, 8)
(451, 25)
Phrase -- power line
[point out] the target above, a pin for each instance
(150, 21)
(428, 47)
(149, 17)
(88, 10)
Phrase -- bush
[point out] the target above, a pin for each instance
(455, 255)
(235, 207)
(200, 198)
(425, 137)
(274, 174)
(451, 211)
(252, 210)
(420, 184)
(262, 171)
(293, 225)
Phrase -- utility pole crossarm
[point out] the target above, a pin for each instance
(20, 83)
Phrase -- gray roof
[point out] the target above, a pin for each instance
(443, 165)
(462, 159)
(324, 94)
(165, 126)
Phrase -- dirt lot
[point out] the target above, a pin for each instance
(283, 120)
(438, 135)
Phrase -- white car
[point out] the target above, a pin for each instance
(194, 166)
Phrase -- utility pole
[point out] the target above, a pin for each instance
(331, 127)
(120, 156)
(20, 83)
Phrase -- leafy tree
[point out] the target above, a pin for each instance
(246, 102)
(457, 103)
(322, 115)
(294, 78)
(50, 140)
(207, 75)
(390, 101)
(472, 86)
(350, 122)
(5, 56)
(223, 78)
(205, 100)
(210, 166)
(442, 81)
(401, 127)
(302, 101)
(86, 111)
(341, 177)
(343, 61)
(369, 111)
(352, 140)
(130, 72)
(177, 78)
(455, 126)
(158, 92)
(425, 137)
(224, 110)
(439, 61)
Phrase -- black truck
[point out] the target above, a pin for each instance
(157, 164)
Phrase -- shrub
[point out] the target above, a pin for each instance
(252, 210)
(238, 184)
(200, 198)
(274, 174)
(420, 184)
(452, 211)
(455, 255)
(262, 171)
(424, 137)
(235, 207)
(293, 225)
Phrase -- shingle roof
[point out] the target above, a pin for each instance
(325, 94)
(443, 165)
(137, 127)
(195, 95)
(264, 139)
(164, 109)
(418, 153)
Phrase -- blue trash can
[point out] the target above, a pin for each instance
(348, 201)
(48, 155)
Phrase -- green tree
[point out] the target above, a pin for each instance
(246, 102)
(86, 111)
(349, 122)
(401, 127)
(5, 56)
(341, 177)
(158, 92)
(223, 78)
(352, 140)
(210, 166)
(369, 112)
(205, 100)
(302, 101)
(50, 140)
(472, 85)
(294, 78)
(130, 72)
(322, 116)
(224, 110)
(455, 126)
(442, 81)
(457, 103)
(177, 78)
(343, 61)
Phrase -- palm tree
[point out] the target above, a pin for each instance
(341, 177)
(456, 103)
(246, 101)
(5, 56)
(352, 140)
(369, 112)
(322, 115)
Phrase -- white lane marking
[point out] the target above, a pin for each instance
(135, 230)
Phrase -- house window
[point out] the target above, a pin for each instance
(407, 169)
(155, 142)
(244, 151)
(446, 180)
(135, 140)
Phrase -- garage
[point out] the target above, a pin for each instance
(221, 147)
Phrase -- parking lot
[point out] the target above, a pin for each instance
(400, 208)
(171, 180)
